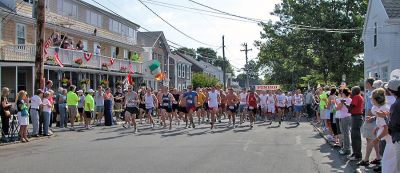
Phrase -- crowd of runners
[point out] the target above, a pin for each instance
(210, 106)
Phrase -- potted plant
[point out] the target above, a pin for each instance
(119, 83)
(123, 69)
(104, 66)
(64, 82)
(104, 83)
(50, 60)
(78, 61)
(84, 82)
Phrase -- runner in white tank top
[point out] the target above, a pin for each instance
(243, 105)
(263, 103)
(281, 101)
(271, 100)
(150, 101)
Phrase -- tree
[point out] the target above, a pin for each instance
(187, 51)
(206, 54)
(298, 49)
(203, 80)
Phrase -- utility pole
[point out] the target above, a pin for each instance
(247, 75)
(225, 63)
(40, 28)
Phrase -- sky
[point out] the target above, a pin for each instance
(206, 29)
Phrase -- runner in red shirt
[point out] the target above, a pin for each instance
(252, 100)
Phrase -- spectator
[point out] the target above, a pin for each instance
(89, 108)
(118, 100)
(47, 105)
(23, 115)
(36, 102)
(79, 45)
(81, 105)
(57, 40)
(356, 110)
(72, 103)
(309, 102)
(97, 51)
(108, 107)
(99, 100)
(5, 113)
(344, 120)
(62, 106)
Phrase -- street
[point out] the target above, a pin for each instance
(265, 148)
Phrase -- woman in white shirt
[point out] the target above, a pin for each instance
(344, 120)
(47, 105)
(36, 102)
(389, 160)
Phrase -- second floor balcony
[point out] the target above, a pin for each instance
(71, 58)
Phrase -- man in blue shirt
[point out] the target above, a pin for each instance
(191, 99)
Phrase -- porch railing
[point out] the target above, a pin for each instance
(26, 53)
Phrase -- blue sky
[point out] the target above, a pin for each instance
(204, 28)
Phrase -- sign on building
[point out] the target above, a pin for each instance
(267, 87)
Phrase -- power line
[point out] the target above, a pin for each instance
(12, 11)
(183, 8)
(174, 26)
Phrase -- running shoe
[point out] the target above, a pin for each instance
(363, 163)
(375, 162)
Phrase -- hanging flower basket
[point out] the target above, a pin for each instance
(50, 60)
(104, 66)
(78, 61)
(124, 69)
(65, 82)
(84, 82)
(104, 83)
(120, 83)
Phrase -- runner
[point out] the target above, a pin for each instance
(213, 100)
(232, 100)
(191, 100)
(131, 108)
(159, 106)
(298, 105)
(175, 106)
(263, 105)
(150, 102)
(201, 98)
(166, 100)
(252, 102)
(206, 107)
(289, 106)
(221, 105)
(281, 104)
(271, 100)
(142, 106)
(243, 106)
(182, 111)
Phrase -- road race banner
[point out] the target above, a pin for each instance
(267, 87)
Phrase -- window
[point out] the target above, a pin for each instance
(179, 87)
(126, 54)
(189, 73)
(22, 80)
(384, 73)
(113, 52)
(375, 35)
(183, 70)
(179, 70)
(29, 1)
(67, 8)
(85, 45)
(94, 18)
(114, 26)
(21, 33)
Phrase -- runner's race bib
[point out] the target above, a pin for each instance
(231, 107)
(190, 101)
(166, 104)
(175, 102)
(251, 107)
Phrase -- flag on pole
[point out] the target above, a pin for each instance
(57, 59)
(47, 45)
(131, 68)
(155, 67)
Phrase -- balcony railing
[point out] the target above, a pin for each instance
(26, 53)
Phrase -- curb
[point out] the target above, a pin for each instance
(321, 132)
(30, 140)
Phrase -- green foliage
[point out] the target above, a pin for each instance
(207, 54)
(203, 80)
(188, 51)
(295, 57)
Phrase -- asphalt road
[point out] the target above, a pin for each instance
(264, 148)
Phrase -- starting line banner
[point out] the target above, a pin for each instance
(267, 87)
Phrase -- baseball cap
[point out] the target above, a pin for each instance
(91, 91)
(80, 91)
(394, 84)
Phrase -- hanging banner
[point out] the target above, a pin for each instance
(267, 87)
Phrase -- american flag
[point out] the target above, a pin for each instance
(47, 44)
(130, 68)
(57, 59)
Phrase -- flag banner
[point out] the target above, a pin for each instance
(112, 60)
(87, 56)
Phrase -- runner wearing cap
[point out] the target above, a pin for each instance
(191, 99)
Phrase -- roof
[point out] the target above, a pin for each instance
(201, 64)
(148, 39)
(180, 59)
(392, 8)
(4, 6)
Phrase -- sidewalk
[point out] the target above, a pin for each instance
(362, 169)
